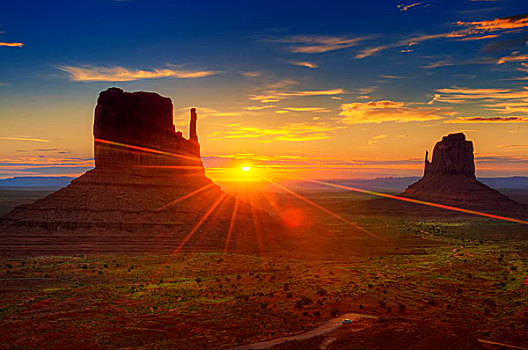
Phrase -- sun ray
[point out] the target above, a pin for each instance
(436, 205)
(188, 195)
(337, 216)
(270, 201)
(231, 225)
(184, 167)
(258, 232)
(199, 223)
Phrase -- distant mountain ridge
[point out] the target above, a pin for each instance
(506, 182)
(36, 181)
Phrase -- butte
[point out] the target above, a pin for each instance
(449, 179)
(147, 193)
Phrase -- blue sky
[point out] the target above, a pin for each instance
(361, 87)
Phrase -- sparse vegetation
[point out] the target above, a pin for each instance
(459, 273)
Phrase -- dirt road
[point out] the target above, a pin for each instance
(323, 329)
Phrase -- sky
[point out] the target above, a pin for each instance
(326, 89)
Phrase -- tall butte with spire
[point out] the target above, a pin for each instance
(449, 178)
(134, 130)
(147, 192)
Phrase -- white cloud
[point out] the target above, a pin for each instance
(98, 73)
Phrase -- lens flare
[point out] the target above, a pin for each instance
(328, 211)
(145, 149)
(436, 205)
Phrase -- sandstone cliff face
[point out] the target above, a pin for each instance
(452, 156)
(136, 129)
(450, 178)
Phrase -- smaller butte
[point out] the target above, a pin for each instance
(450, 179)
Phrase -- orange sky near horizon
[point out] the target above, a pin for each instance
(352, 90)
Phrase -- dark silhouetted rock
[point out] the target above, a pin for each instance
(450, 178)
(148, 192)
(136, 129)
(451, 156)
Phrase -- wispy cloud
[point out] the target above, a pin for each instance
(391, 76)
(404, 7)
(446, 62)
(375, 139)
(258, 108)
(441, 63)
(11, 44)
(39, 161)
(254, 74)
(482, 37)
(277, 96)
(511, 22)
(265, 98)
(98, 73)
(389, 111)
(306, 109)
(514, 57)
(459, 95)
(303, 64)
(512, 146)
(509, 107)
(464, 120)
(317, 43)
(13, 138)
(513, 103)
(45, 165)
(468, 31)
(289, 132)
(312, 93)
(411, 41)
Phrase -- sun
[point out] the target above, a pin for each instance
(246, 168)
